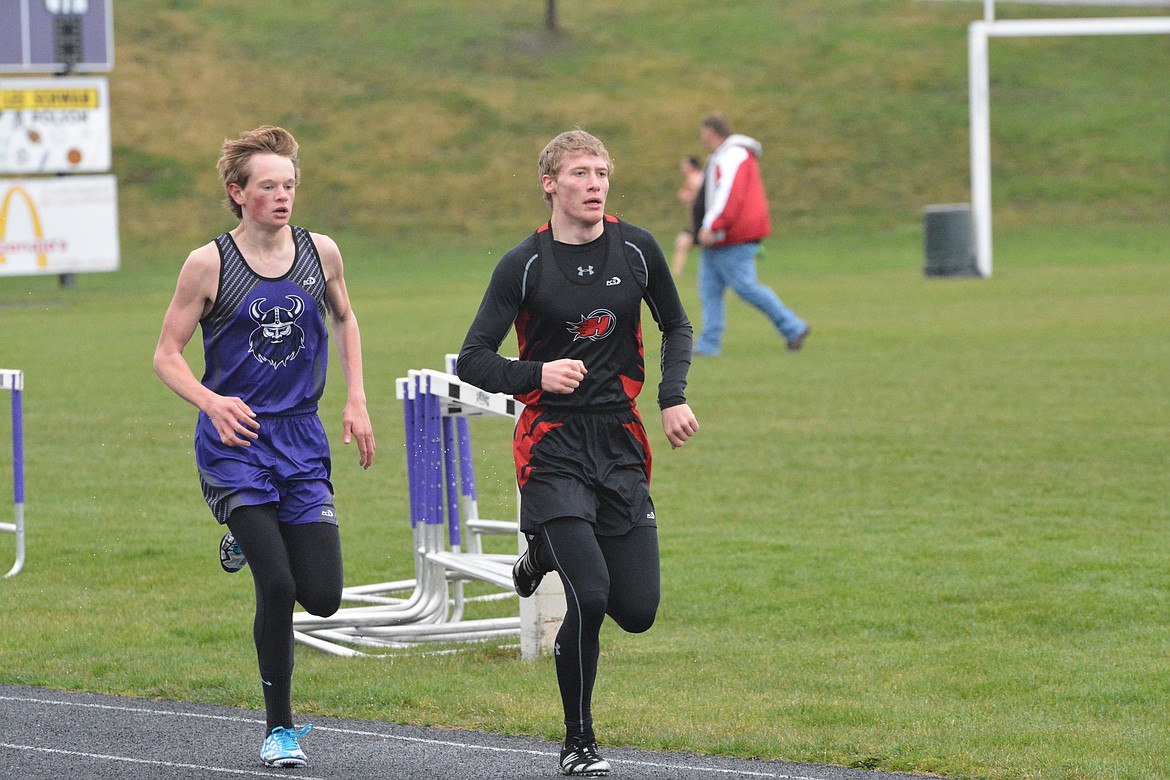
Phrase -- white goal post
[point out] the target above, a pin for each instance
(978, 34)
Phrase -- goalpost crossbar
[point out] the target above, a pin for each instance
(979, 89)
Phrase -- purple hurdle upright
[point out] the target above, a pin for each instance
(475, 526)
(11, 379)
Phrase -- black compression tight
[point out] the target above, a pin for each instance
(603, 575)
(289, 564)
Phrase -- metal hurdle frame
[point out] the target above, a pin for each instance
(462, 508)
(426, 600)
(475, 526)
(542, 614)
(13, 380)
(441, 480)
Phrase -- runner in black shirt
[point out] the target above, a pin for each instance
(574, 291)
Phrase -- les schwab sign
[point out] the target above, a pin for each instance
(59, 125)
(58, 225)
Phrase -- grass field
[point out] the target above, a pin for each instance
(933, 541)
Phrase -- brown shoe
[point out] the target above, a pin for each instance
(795, 344)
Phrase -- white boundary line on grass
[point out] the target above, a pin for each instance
(354, 732)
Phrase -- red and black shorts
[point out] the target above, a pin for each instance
(591, 465)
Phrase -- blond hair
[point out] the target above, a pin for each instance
(563, 146)
(235, 162)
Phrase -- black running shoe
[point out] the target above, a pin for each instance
(231, 557)
(526, 572)
(579, 758)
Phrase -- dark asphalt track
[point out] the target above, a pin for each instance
(57, 735)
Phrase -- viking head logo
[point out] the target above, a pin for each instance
(596, 325)
(278, 338)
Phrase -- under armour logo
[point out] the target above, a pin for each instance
(585, 271)
(309, 281)
(612, 282)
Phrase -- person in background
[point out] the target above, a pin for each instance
(692, 173)
(735, 220)
(573, 291)
(261, 294)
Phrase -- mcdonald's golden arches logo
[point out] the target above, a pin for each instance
(38, 245)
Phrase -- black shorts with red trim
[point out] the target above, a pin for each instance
(591, 465)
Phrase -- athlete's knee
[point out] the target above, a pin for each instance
(634, 609)
(590, 605)
(320, 595)
(636, 618)
(321, 604)
(278, 586)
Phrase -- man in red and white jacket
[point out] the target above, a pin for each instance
(734, 221)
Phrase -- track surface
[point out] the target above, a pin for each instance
(57, 735)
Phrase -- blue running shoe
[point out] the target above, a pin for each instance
(231, 557)
(281, 748)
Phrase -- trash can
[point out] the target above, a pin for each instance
(950, 240)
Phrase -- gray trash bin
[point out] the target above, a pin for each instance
(950, 240)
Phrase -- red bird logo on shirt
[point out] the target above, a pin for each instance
(593, 326)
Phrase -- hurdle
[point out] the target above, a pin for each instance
(13, 380)
(424, 601)
(462, 512)
(476, 526)
(443, 512)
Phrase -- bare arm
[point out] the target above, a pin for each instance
(194, 294)
(344, 325)
(680, 424)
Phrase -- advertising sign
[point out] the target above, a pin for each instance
(56, 36)
(58, 225)
(54, 125)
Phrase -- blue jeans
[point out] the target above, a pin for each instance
(734, 266)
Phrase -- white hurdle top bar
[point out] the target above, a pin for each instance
(463, 398)
(11, 379)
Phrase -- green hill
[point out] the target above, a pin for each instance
(421, 121)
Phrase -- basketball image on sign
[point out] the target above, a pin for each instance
(58, 125)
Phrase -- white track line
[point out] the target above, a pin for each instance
(354, 732)
(170, 764)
